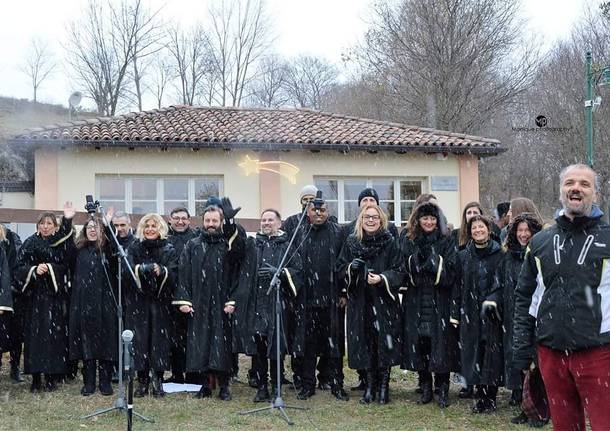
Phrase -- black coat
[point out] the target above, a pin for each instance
(93, 307)
(6, 303)
(319, 251)
(260, 318)
(11, 323)
(480, 338)
(208, 272)
(148, 306)
(507, 276)
(431, 266)
(371, 306)
(47, 300)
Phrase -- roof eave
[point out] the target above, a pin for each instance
(262, 146)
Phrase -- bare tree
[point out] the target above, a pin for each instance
(268, 87)
(102, 46)
(192, 62)
(161, 76)
(310, 80)
(38, 65)
(446, 62)
(240, 37)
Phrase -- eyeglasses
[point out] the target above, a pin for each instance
(90, 227)
(180, 218)
(372, 217)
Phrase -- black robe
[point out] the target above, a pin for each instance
(208, 272)
(148, 306)
(320, 248)
(434, 275)
(93, 330)
(480, 337)
(372, 306)
(507, 276)
(6, 303)
(260, 315)
(11, 323)
(47, 300)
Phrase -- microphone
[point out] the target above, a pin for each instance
(318, 202)
(127, 336)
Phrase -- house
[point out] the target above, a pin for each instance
(261, 158)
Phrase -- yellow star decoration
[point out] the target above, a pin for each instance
(285, 169)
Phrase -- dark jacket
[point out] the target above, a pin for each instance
(480, 336)
(93, 307)
(260, 317)
(6, 303)
(148, 305)
(428, 295)
(563, 296)
(372, 306)
(320, 248)
(179, 239)
(208, 279)
(47, 300)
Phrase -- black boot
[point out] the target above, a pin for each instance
(253, 379)
(36, 383)
(443, 395)
(50, 384)
(467, 392)
(224, 392)
(384, 386)
(204, 391)
(262, 394)
(106, 378)
(88, 378)
(15, 372)
(369, 392)
(157, 385)
(339, 393)
(143, 383)
(426, 392)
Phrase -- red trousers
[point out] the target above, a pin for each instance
(577, 382)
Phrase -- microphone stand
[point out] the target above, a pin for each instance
(278, 403)
(119, 404)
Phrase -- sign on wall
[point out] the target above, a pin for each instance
(444, 184)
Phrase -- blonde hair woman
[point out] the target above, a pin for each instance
(148, 308)
(370, 267)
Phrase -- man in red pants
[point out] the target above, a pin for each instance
(562, 307)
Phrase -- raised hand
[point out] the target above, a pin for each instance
(69, 210)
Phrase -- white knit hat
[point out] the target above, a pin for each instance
(310, 190)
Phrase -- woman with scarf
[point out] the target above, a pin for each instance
(370, 267)
(479, 324)
(520, 231)
(93, 308)
(429, 341)
(148, 309)
(43, 274)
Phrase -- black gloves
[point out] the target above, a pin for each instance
(266, 270)
(358, 265)
(228, 210)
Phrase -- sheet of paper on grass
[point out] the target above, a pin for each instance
(180, 387)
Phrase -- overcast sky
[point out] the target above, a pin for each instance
(316, 27)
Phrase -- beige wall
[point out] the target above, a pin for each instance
(361, 164)
(69, 174)
(20, 200)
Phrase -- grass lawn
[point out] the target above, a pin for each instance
(62, 410)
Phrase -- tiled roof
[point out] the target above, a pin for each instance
(254, 128)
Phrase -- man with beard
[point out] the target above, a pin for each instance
(261, 264)
(562, 306)
(180, 232)
(208, 276)
(319, 320)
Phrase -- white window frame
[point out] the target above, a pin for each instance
(369, 181)
(160, 189)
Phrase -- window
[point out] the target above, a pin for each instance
(141, 195)
(396, 196)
